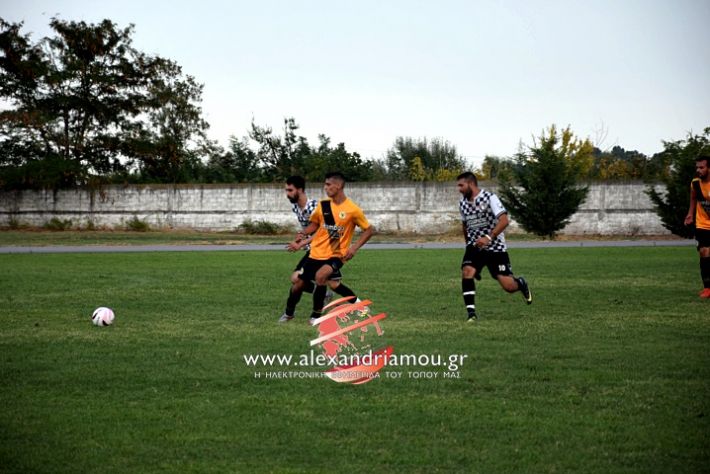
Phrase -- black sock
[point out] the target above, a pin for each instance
(705, 271)
(318, 300)
(343, 290)
(468, 286)
(292, 301)
(308, 286)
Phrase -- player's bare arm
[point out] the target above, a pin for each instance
(364, 237)
(305, 233)
(503, 222)
(298, 244)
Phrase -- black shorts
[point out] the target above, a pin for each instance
(302, 262)
(311, 267)
(498, 263)
(703, 238)
(336, 275)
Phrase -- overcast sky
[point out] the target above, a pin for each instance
(482, 74)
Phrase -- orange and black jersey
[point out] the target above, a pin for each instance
(702, 206)
(335, 228)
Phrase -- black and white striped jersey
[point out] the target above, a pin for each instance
(304, 215)
(480, 216)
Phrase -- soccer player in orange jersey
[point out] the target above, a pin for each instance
(332, 225)
(699, 213)
(303, 207)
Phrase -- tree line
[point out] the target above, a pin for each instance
(85, 108)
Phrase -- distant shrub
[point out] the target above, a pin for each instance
(262, 228)
(57, 224)
(14, 223)
(137, 225)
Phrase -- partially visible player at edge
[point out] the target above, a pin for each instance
(484, 219)
(332, 225)
(303, 207)
(699, 213)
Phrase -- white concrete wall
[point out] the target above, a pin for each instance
(610, 208)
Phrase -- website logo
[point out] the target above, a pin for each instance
(347, 331)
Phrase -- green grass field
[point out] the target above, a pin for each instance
(608, 370)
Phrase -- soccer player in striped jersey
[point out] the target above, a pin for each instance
(484, 219)
(302, 207)
(699, 213)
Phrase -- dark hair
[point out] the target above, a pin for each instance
(297, 181)
(337, 175)
(704, 157)
(468, 176)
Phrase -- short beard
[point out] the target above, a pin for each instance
(468, 194)
(293, 200)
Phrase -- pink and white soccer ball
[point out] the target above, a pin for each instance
(102, 316)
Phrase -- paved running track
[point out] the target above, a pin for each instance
(280, 247)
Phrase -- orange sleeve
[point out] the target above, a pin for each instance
(317, 215)
(360, 219)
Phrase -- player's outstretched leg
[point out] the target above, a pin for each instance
(705, 275)
(511, 284)
(336, 287)
(294, 296)
(343, 290)
(468, 289)
(524, 289)
(318, 301)
(322, 276)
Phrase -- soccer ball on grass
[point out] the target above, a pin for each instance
(102, 316)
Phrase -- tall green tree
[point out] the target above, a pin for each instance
(327, 158)
(541, 192)
(239, 164)
(84, 104)
(280, 156)
(678, 158)
(494, 168)
(423, 159)
(170, 144)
